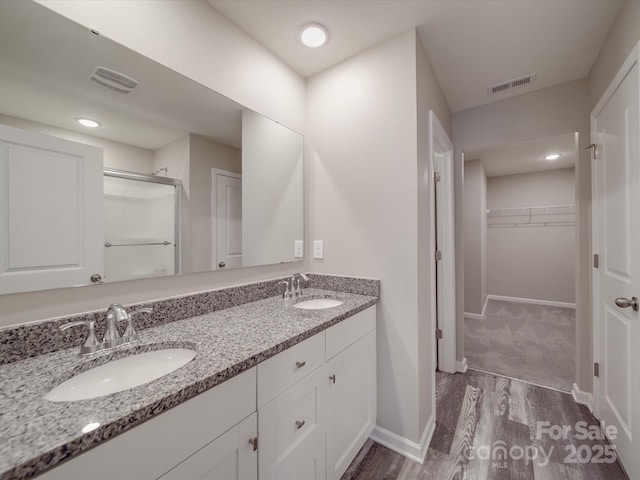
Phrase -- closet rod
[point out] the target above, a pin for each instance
(526, 209)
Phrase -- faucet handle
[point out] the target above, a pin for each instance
(91, 344)
(131, 334)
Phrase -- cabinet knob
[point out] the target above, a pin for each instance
(300, 424)
(332, 378)
(300, 364)
(254, 443)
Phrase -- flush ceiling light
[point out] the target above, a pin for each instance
(553, 156)
(87, 122)
(313, 35)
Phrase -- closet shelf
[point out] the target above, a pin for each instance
(540, 216)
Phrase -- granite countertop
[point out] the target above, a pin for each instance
(37, 433)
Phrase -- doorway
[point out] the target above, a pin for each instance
(226, 208)
(520, 260)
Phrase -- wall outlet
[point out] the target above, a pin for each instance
(318, 249)
(298, 249)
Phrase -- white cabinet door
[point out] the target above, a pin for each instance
(350, 403)
(291, 433)
(232, 456)
(50, 211)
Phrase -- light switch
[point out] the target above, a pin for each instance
(298, 249)
(318, 249)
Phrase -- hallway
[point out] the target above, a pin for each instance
(480, 418)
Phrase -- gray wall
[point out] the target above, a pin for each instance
(551, 111)
(532, 262)
(363, 144)
(205, 155)
(272, 190)
(475, 237)
(622, 37)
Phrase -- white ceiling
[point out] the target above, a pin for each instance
(526, 157)
(471, 43)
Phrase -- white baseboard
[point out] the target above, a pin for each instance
(412, 450)
(462, 366)
(584, 398)
(478, 316)
(534, 301)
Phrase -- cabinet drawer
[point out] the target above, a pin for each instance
(281, 371)
(343, 334)
(291, 432)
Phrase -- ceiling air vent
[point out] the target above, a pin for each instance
(516, 82)
(116, 81)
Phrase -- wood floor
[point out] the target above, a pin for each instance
(494, 428)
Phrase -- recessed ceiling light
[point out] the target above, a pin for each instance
(553, 156)
(314, 35)
(87, 122)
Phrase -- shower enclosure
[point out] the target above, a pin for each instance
(141, 225)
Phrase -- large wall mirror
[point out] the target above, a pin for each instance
(172, 178)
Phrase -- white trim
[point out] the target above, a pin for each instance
(478, 316)
(412, 450)
(583, 398)
(462, 366)
(533, 301)
(445, 284)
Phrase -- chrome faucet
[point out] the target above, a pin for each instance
(296, 291)
(115, 313)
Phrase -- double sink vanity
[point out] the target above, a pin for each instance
(235, 383)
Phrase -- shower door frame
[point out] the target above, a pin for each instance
(141, 177)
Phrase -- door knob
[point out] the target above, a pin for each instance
(96, 278)
(626, 303)
(221, 264)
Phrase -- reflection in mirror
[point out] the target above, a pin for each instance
(175, 178)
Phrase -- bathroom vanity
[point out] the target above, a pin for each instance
(274, 392)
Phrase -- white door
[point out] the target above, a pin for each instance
(351, 403)
(227, 223)
(50, 212)
(615, 131)
(231, 456)
(444, 259)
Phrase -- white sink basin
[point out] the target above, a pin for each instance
(318, 303)
(121, 374)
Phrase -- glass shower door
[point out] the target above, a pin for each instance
(141, 222)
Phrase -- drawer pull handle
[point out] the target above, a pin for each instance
(254, 443)
(332, 378)
(300, 364)
(299, 424)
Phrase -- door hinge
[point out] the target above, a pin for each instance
(438, 255)
(596, 260)
(596, 369)
(439, 333)
(436, 177)
(254, 443)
